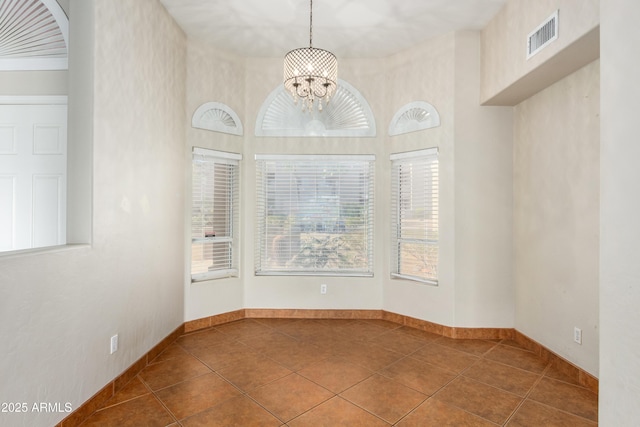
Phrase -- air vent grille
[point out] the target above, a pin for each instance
(539, 38)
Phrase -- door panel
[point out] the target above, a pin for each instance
(33, 163)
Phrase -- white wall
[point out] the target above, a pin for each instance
(299, 291)
(484, 293)
(58, 308)
(132, 279)
(556, 216)
(619, 227)
(33, 82)
(555, 168)
(426, 73)
(508, 77)
(80, 104)
(475, 218)
(64, 4)
(212, 75)
(80, 125)
(475, 288)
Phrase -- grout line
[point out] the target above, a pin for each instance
(235, 336)
(565, 412)
(364, 409)
(544, 375)
(175, 419)
(526, 396)
(144, 384)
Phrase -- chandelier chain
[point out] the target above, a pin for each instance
(311, 23)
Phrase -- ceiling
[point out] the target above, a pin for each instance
(348, 28)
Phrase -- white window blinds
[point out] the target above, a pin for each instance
(314, 215)
(214, 214)
(414, 193)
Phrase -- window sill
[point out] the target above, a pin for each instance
(311, 273)
(214, 275)
(414, 279)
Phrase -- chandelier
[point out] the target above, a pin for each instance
(310, 74)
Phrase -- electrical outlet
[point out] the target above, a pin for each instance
(114, 343)
(323, 289)
(577, 335)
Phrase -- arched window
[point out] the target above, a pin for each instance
(413, 117)
(348, 114)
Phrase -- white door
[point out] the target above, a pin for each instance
(33, 176)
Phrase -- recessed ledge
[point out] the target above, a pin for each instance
(44, 250)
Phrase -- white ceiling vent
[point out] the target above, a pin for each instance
(539, 38)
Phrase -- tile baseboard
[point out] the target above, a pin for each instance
(218, 319)
(450, 331)
(98, 400)
(567, 368)
(257, 313)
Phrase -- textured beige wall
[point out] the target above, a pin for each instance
(64, 4)
(480, 254)
(80, 127)
(474, 143)
(212, 76)
(58, 308)
(484, 294)
(424, 74)
(619, 227)
(130, 281)
(556, 216)
(304, 291)
(138, 170)
(31, 83)
(504, 39)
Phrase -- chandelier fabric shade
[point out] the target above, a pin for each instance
(310, 74)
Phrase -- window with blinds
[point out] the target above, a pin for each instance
(314, 215)
(414, 201)
(214, 214)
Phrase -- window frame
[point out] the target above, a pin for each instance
(363, 225)
(231, 215)
(430, 205)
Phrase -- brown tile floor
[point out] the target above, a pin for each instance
(287, 372)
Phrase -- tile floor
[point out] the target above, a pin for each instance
(288, 372)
